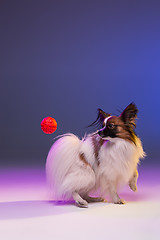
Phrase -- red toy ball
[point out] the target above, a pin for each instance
(48, 125)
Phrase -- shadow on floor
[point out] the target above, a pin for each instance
(30, 209)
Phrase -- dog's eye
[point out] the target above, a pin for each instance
(111, 125)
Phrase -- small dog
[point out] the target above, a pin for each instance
(104, 160)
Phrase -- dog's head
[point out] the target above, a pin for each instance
(118, 126)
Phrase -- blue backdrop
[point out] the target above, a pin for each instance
(67, 58)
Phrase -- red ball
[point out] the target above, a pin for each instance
(48, 125)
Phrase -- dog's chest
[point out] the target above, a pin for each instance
(117, 160)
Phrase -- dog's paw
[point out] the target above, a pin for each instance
(133, 187)
(82, 204)
(120, 201)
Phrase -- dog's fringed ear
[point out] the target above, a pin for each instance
(100, 118)
(129, 114)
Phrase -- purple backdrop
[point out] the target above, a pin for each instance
(67, 58)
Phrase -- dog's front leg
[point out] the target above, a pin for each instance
(114, 195)
(133, 181)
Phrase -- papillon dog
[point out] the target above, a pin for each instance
(102, 161)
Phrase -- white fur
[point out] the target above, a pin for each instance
(119, 159)
(67, 173)
(106, 119)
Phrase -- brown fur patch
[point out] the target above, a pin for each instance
(83, 159)
(97, 145)
(122, 130)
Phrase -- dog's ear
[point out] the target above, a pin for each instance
(129, 114)
(102, 115)
(100, 118)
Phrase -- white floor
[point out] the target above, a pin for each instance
(26, 213)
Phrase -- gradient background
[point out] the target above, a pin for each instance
(67, 58)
